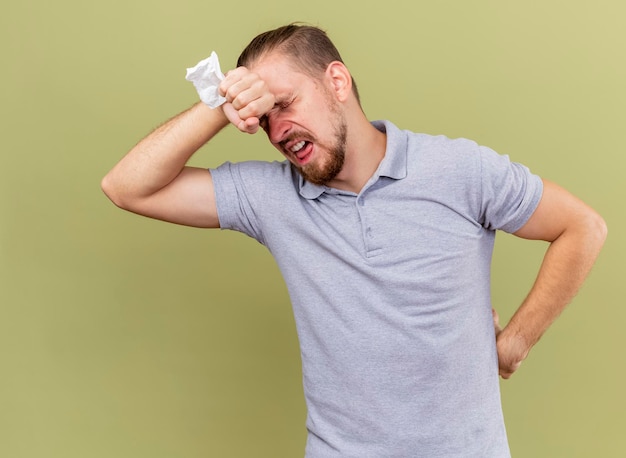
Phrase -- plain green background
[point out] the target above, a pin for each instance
(126, 337)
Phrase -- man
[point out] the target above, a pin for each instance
(384, 238)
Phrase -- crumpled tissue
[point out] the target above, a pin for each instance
(206, 77)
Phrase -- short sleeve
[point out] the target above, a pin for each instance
(234, 201)
(510, 192)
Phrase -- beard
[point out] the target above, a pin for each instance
(323, 172)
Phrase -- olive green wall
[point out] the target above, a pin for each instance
(126, 337)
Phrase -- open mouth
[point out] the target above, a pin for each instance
(298, 146)
(302, 151)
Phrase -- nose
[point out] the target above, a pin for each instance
(277, 128)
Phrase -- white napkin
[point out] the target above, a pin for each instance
(206, 77)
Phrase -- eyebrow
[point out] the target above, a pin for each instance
(283, 99)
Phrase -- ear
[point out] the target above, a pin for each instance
(340, 80)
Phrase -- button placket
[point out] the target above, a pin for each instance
(366, 228)
(360, 207)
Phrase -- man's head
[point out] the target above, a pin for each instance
(315, 100)
(308, 47)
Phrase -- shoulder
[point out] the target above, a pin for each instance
(443, 157)
(256, 175)
(424, 145)
(254, 168)
(441, 145)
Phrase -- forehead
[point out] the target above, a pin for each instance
(279, 72)
(273, 61)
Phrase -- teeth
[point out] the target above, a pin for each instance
(298, 146)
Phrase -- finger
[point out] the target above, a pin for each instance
(231, 77)
(507, 372)
(237, 82)
(257, 107)
(250, 93)
(245, 90)
(496, 321)
(231, 114)
(249, 125)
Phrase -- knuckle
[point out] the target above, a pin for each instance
(238, 102)
(259, 85)
(221, 88)
(231, 94)
(250, 110)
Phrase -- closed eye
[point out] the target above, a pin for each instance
(283, 105)
(264, 121)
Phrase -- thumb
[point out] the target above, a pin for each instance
(496, 321)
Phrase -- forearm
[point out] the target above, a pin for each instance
(160, 157)
(565, 266)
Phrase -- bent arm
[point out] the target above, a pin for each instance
(576, 234)
(153, 180)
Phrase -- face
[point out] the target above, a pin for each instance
(306, 125)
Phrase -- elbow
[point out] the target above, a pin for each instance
(597, 229)
(602, 229)
(112, 191)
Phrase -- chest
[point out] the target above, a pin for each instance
(390, 223)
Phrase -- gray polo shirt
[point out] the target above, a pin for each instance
(391, 292)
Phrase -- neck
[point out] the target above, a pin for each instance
(365, 149)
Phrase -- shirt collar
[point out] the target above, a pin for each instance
(393, 165)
